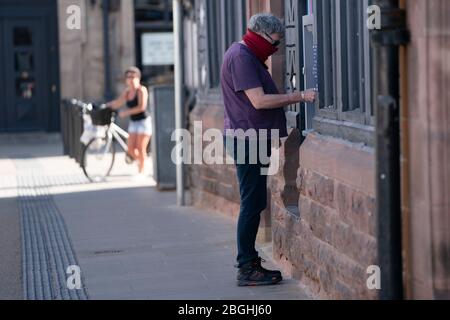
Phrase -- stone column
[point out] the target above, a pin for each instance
(70, 52)
(429, 170)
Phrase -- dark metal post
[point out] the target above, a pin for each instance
(388, 198)
(106, 50)
(387, 113)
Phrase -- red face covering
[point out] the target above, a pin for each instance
(262, 48)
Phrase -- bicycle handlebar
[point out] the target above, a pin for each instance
(89, 106)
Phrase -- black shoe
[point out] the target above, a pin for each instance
(253, 274)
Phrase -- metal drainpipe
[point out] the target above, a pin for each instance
(106, 50)
(387, 113)
(179, 92)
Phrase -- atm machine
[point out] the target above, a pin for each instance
(301, 61)
(310, 68)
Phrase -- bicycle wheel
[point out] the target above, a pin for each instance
(98, 159)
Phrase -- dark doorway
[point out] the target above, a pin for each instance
(28, 66)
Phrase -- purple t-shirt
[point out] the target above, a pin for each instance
(242, 70)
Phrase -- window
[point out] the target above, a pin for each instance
(153, 12)
(326, 34)
(153, 19)
(344, 61)
(22, 36)
(226, 23)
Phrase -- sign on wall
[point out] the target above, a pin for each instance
(157, 49)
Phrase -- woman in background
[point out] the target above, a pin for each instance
(135, 97)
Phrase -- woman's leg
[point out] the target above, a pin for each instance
(133, 146)
(142, 143)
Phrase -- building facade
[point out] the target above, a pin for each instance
(323, 214)
(425, 129)
(58, 49)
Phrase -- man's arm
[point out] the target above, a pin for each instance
(262, 101)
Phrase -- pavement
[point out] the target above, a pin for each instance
(129, 240)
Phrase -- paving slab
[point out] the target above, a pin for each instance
(130, 240)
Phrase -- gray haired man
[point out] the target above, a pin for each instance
(253, 102)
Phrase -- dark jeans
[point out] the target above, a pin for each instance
(253, 194)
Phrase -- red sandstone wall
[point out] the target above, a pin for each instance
(330, 247)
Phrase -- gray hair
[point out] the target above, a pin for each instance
(266, 23)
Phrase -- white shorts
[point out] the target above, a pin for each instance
(141, 127)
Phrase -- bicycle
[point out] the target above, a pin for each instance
(99, 153)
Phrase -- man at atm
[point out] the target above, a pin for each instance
(253, 103)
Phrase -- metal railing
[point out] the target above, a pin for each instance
(72, 127)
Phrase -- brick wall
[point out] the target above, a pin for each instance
(331, 245)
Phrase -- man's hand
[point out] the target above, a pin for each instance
(308, 96)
